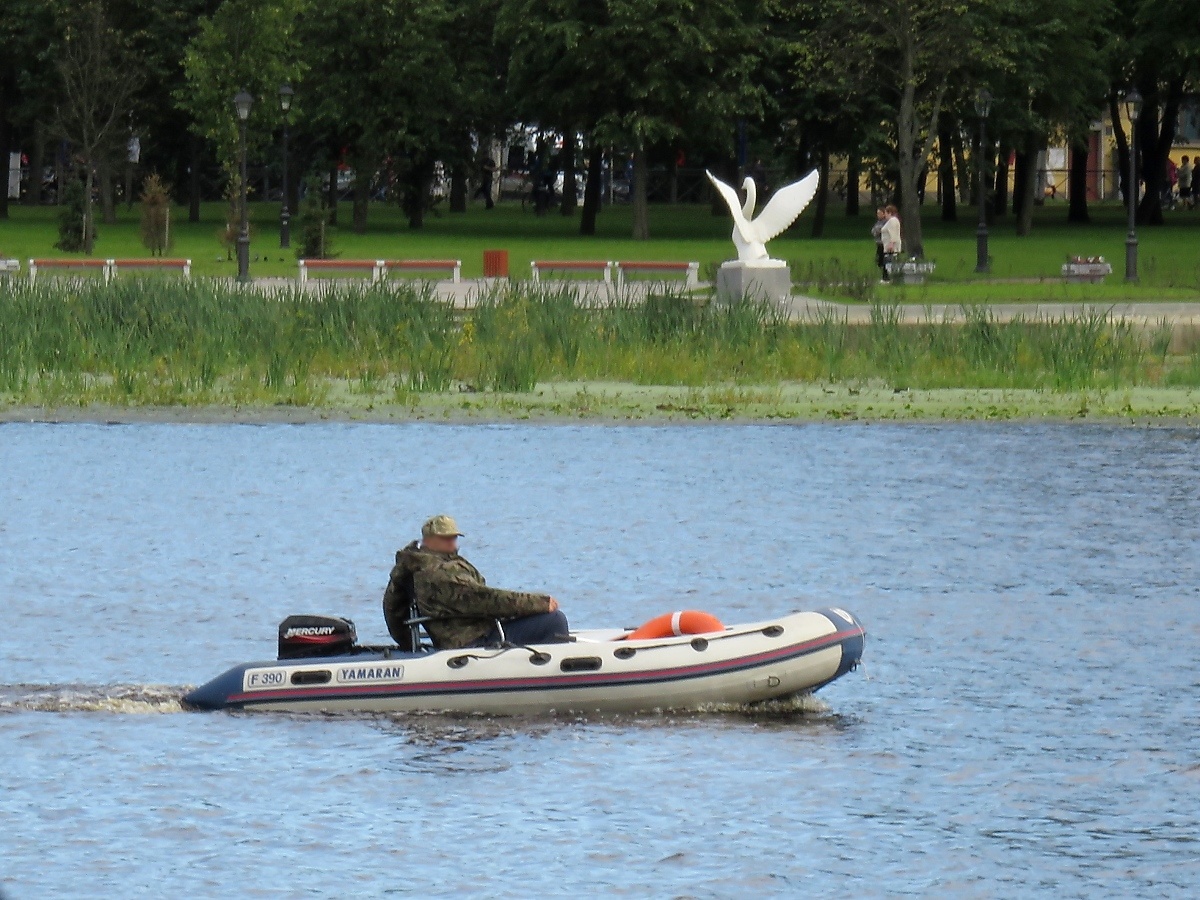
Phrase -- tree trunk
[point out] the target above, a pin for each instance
(37, 162)
(1122, 149)
(1077, 212)
(946, 175)
(1022, 173)
(968, 185)
(194, 179)
(420, 176)
(591, 191)
(818, 226)
(362, 197)
(108, 209)
(1000, 201)
(1154, 146)
(641, 208)
(912, 151)
(570, 198)
(853, 179)
(88, 231)
(458, 188)
(6, 136)
(331, 193)
(1028, 185)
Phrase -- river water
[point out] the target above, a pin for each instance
(1025, 723)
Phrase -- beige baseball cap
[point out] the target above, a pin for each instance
(440, 526)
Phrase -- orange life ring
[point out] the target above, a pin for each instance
(675, 624)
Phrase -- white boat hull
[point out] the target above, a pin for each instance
(744, 664)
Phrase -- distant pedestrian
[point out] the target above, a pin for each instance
(877, 233)
(1171, 175)
(891, 238)
(487, 173)
(1187, 188)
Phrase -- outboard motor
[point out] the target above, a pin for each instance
(303, 636)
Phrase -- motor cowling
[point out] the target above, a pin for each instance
(304, 636)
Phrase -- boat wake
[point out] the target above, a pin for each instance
(136, 699)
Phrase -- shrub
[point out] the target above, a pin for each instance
(312, 222)
(70, 218)
(156, 216)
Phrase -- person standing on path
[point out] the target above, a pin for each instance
(877, 234)
(487, 176)
(891, 238)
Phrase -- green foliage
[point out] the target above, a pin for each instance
(246, 45)
(71, 217)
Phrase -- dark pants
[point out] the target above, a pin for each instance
(542, 628)
(485, 189)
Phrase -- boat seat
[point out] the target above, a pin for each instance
(414, 622)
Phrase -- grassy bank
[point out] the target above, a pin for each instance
(204, 343)
(837, 264)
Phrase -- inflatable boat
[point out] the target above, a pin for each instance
(681, 661)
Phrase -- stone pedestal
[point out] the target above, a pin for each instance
(770, 279)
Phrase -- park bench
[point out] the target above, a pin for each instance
(910, 271)
(690, 271)
(380, 268)
(103, 266)
(538, 266)
(155, 262)
(1092, 269)
(9, 268)
(451, 266)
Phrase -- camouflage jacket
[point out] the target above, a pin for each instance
(452, 592)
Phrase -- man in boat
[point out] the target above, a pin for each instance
(463, 610)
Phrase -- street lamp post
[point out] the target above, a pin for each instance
(285, 232)
(983, 106)
(1133, 110)
(242, 103)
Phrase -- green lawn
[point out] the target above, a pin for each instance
(1169, 255)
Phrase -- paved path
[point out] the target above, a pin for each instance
(1183, 317)
(802, 308)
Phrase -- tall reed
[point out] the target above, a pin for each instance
(177, 342)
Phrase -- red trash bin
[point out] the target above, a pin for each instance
(495, 263)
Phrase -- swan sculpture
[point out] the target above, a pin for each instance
(750, 236)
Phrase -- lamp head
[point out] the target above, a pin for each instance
(1133, 104)
(983, 103)
(285, 97)
(242, 102)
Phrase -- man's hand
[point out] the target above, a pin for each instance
(553, 605)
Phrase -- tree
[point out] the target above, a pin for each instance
(408, 81)
(99, 78)
(157, 33)
(30, 34)
(247, 45)
(911, 52)
(1156, 51)
(1041, 91)
(638, 72)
